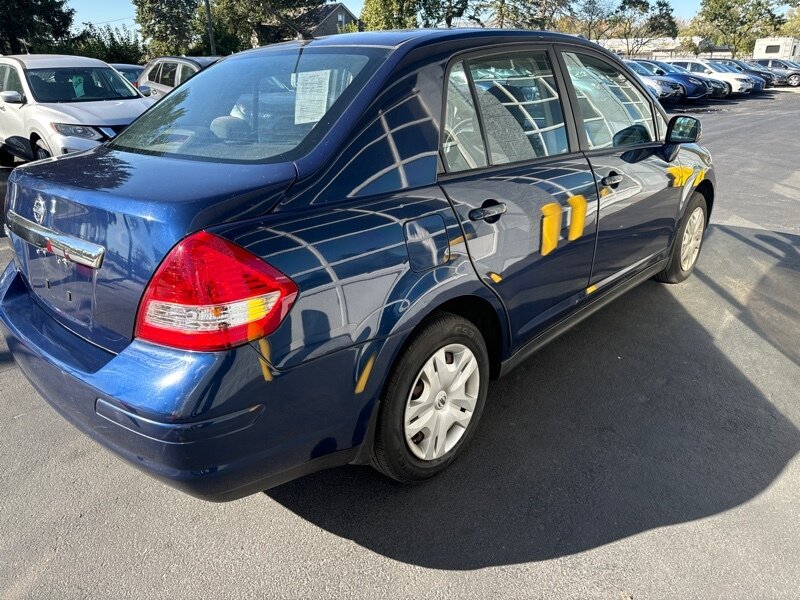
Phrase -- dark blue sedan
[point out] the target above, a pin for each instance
(320, 252)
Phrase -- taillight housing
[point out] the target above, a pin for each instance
(210, 294)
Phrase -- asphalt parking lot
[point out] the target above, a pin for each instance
(649, 453)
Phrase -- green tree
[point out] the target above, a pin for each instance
(378, 15)
(594, 19)
(166, 24)
(34, 22)
(791, 27)
(738, 23)
(639, 22)
(437, 12)
(112, 45)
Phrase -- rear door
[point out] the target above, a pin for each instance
(621, 133)
(524, 194)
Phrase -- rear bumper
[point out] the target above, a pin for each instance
(218, 426)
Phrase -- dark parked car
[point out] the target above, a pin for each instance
(231, 294)
(130, 72)
(162, 75)
(694, 86)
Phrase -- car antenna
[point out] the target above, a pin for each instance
(302, 34)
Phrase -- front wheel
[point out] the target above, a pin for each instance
(41, 151)
(688, 241)
(433, 400)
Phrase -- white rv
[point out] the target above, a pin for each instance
(784, 48)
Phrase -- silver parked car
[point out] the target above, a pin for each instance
(52, 105)
(162, 75)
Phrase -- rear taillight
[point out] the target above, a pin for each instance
(210, 294)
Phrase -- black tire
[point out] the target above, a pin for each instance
(728, 91)
(674, 272)
(6, 158)
(41, 151)
(391, 453)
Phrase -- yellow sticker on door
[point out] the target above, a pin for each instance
(552, 219)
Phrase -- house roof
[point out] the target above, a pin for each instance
(314, 17)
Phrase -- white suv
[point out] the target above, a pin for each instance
(51, 105)
(736, 83)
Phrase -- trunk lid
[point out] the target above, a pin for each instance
(136, 207)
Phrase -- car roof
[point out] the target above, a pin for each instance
(412, 38)
(126, 66)
(43, 61)
(200, 61)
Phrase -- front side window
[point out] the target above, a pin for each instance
(615, 113)
(520, 106)
(79, 84)
(14, 83)
(264, 107)
(462, 143)
(3, 72)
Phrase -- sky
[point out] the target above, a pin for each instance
(121, 12)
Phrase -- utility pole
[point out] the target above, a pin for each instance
(210, 29)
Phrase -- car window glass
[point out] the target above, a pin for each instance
(267, 107)
(153, 73)
(13, 84)
(3, 70)
(168, 72)
(462, 143)
(186, 73)
(614, 112)
(520, 106)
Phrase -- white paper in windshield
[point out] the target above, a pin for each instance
(311, 100)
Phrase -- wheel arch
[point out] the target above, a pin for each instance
(706, 189)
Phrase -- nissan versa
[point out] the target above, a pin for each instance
(320, 252)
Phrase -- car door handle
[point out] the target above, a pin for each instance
(492, 211)
(612, 180)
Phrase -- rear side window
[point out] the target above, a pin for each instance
(615, 113)
(186, 73)
(520, 106)
(462, 143)
(169, 71)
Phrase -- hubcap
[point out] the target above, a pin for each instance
(692, 238)
(441, 402)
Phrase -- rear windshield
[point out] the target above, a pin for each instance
(81, 84)
(265, 107)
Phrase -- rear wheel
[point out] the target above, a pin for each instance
(793, 80)
(688, 241)
(728, 91)
(433, 400)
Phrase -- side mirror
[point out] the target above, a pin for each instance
(708, 71)
(145, 90)
(660, 72)
(683, 130)
(11, 97)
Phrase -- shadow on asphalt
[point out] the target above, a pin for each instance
(633, 420)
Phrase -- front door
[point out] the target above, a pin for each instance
(640, 190)
(12, 122)
(525, 196)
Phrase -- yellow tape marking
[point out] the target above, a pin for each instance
(578, 219)
(551, 227)
(495, 277)
(361, 384)
(680, 175)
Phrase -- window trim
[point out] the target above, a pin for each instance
(504, 50)
(577, 116)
